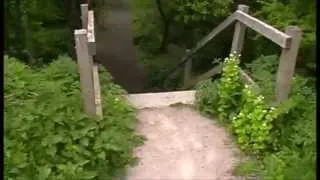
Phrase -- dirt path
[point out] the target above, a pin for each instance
(181, 144)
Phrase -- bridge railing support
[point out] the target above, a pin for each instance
(289, 41)
(88, 69)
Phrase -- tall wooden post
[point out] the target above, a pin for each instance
(85, 64)
(87, 19)
(287, 64)
(84, 15)
(239, 32)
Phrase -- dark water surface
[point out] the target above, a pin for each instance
(114, 41)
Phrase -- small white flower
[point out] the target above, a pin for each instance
(116, 99)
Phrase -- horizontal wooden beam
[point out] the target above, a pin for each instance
(247, 80)
(278, 37)
(216, 70)
(204, 41)
(213, 33)
(91, 34)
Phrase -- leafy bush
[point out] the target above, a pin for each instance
(207, 97)
(229, 87)
(47, 136)
(253, 124)
(283, 137)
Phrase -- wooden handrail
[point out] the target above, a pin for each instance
(204, 41)
(278, 37)
(288, 41)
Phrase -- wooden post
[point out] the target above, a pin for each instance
(96, 86)
(84, 15)
(91, 33)
(287, 64)
(239, 32)
(85, 64)
(187, 70)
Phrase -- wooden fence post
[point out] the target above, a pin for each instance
(187, 70)
(287, 64)
(85, 64)
(84, 15)
(239, 32)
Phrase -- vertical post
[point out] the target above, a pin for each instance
(287, 64)
(239, 32)
(85, 64)
(91, 33)
(96, 86)
(84, 15)
(187, 70)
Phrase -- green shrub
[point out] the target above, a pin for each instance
(47, 135)
(282, 138)
(229, 88)
(207, 97)
(253, 125)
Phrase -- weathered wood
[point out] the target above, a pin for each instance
(239, 32)
(96, 85)
(213, 33)
(216, 70)
(247, 80)
(287, 64)
(266, 30)
(91, 33)
(187, 70)
(84, 15)
(85, 64)
(204, 41)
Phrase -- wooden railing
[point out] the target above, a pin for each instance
(86, 49)
(288, 41)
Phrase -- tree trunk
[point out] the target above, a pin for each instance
(166, 21)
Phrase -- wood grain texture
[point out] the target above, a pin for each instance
(287, 64)
(84, 15)
(91, 33)
(278, 37)
(85, 64)
(239, 32)
(97, 90)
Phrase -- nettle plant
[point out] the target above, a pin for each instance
(234, 102)
(229, 87)
(253, 124)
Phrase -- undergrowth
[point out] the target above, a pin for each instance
(47, 134)
(281, 139)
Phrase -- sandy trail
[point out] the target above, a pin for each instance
(182, 144)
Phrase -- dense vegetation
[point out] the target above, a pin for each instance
(281, 138)
(43, 102)
(48, 136)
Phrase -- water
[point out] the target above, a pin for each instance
(114, 42)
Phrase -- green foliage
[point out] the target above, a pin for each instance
(263, 70)
(36, 31)
(207, 97)
(280, 14)
(229, 88)
(187, 11)
(48, 136)
(253, 125)
(146, 25)
(282, 137)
